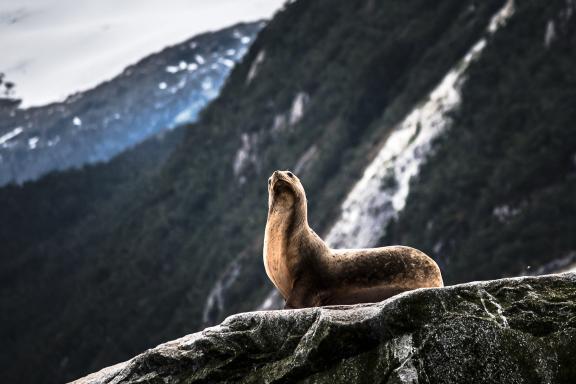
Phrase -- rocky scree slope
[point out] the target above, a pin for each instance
(518, 330)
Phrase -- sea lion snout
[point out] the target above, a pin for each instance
(286, 177)
(284, 190)
(282, 174)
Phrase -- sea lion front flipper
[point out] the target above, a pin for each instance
(300, 296)
(290, 303)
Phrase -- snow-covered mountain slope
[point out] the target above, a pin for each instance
(166, 89)
(54, 48)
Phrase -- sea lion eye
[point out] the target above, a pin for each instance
(269, 181)
(289, 174)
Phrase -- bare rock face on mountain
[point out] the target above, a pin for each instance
(518, 330)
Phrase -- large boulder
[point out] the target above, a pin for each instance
(516, 330)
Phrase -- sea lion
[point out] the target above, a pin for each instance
(308, 273)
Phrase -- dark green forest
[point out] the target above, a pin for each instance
(498, 197)
(100, 263)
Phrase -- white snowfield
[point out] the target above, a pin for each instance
(53, 48)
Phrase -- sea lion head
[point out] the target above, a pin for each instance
(285, 192)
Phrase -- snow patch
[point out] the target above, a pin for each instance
(207, 84)
(77, 121)
(255, 66)
(437, 248)
(504, 213)
(227, 62)
(279, 123)
(500, 19)
(33, 142)
(293, 116)
(10, 135)
(162, 85)
(559, 24)
(53, 141)
(186, 116)
(550, 33)
(172, 69)
(298, 106)
(246, 155)
(181, 84)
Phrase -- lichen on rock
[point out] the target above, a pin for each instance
(516, 330)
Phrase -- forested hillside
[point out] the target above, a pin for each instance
(498, 196)
(178, 246)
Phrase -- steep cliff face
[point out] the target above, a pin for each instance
(520, 330)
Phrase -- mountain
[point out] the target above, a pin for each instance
(161, 91)
(407, 122)
(497, 195)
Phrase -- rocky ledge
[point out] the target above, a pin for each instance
(518, 330)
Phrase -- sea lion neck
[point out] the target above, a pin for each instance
(287, 217)
(287, 200)
(286, 227)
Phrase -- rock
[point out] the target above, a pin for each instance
(516, 330)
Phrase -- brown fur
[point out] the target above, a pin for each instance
(308, 273)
